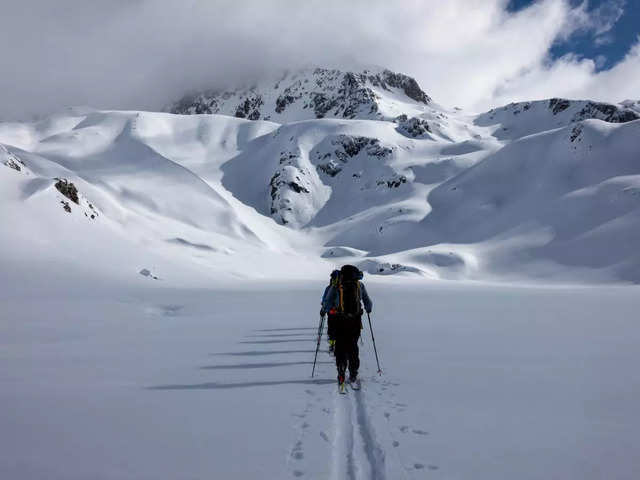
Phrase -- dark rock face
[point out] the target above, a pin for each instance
(598, 110)
(407, 84)
(250, 108)
(605, 111)
(322, 104)
(350, 146)
(557, 105)
(575, 132)
(282, 102)
(67, 189)
(412, 127)
(354, 95)
(393, 182)
(12, 164)
(12, 161)
(346, 147)
(331, 168)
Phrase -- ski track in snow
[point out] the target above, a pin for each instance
(363, 444)
(348, 437)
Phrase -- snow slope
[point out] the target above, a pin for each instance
(153, 210)
(544, 190)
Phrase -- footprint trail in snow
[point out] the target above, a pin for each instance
(354, 436)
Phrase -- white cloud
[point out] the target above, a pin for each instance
(604, 39)
(607, 15)
(145, 53)
(600, 61)
(573, 77)
(597, 21)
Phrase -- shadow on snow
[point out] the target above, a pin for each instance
(284, 329)
(259, 365)
(227, 386)
(257, 353)
(279, 341)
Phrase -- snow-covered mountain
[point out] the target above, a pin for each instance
(314, 93)
(321, 167)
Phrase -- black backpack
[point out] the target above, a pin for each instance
(349, 289)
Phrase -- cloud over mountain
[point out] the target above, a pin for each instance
(123, 54)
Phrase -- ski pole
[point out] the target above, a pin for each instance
(320, 328)
(374, 345)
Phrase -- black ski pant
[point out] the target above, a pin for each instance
(331, 326)
(347, 334)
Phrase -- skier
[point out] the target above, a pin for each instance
(331, 313)
(346, 298)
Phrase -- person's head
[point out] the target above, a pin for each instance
(335, 276)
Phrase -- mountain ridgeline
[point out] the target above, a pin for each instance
(362, 167)
(308, 94)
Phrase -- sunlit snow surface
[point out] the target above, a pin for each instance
(100, 380)
(162, 327)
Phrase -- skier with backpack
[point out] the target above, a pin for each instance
(346, 298)
(331, 313)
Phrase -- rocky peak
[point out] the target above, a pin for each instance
(312, 93)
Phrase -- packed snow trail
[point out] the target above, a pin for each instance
(362, 446)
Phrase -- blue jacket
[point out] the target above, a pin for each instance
(331, 298)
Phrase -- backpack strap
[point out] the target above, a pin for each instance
(341, 292)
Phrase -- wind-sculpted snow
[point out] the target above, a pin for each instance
(387, 180)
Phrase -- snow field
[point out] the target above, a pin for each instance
(114, 381)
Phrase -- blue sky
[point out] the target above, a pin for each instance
(614, 29)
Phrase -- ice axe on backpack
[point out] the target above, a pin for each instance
(374, 344)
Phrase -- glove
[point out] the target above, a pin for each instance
(368, 311)
(322, 312)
